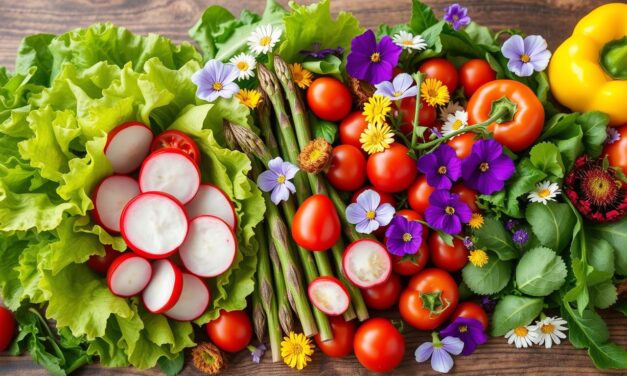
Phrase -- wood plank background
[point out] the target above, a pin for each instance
(554, 19)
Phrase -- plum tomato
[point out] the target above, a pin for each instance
(316, 225)
(231, 331)
(378, 345)
(343, 335)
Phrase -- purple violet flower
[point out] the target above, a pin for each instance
(368, 213)
(371, 61)
(520, 237)
(320, 53)
(442, 167)
(404, 237)
(401, 87)
(526, 55)
(511, 224)
(469, 330)
(487, 168)
(612, 136)
(216, 80)
(277, 180)
(457, 15)
(468, 243)
(447, 212)
(440, 352)
(257, 352)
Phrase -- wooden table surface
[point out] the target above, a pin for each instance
(554, 19)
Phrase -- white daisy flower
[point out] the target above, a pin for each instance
(522, 336)
(263, 39)
(549, 331)
(245, 65)
(407, 41)
(450, 109)
(455, 122)
(545, 192)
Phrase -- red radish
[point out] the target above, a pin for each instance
(165, 287)
(210, 247)
(110, 198)
(366, 263)
(127, 146)
(211, 200)
(170, 171)
(193, 301)
(154, 225)
(329, 295)
(101, 264)
(129, 275)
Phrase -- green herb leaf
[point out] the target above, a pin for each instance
(552, 223)
(616, 234)
(622, 307)
(603, 295)
(540, 272)
(172, 367)
(422, 17)
(489, 279)
(514, 311)
(493, 236)
(34, 51)
(329, 66)
(323, 129)
(547, 158)
(602, 260)
(594, 127)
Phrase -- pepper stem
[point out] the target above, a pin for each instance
(614, 58)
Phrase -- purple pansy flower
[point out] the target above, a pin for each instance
(612, 136)
(526, 55)
(368, 213)
(457, 15)
(487, 168)
(401, 87)
(440, 352)
(469, 330)
(442, 167)
(520, 237)
(320, 53)
(277, 180)
(371, 61)
(216, 80)
(447, 212)
(257, 352)
(404, 237)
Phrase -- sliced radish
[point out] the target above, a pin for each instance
(170, 171)
(127, 146)
(154, 224)
(165, 287)
(329, 295)
(210, 247)
(128, 275)
(193, 301)
(211, 200)
(110, 198)
(366, 263)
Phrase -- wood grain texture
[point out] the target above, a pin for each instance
(554, 19)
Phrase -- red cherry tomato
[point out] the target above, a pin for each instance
(348, 168)
(386, 198)
(467, 195)
(426, 116)
(231, 331)
(177, 140)
(385, 295)
(411, 264)
(343, 336)
(418, 195)
(442, 70)
(392, 170)
(101, 264)
(617, 152)
(329, 99)
(379, 346)
(7, 328)
(351, 128)
(316, 225)
(450, 258)
(473, 74)
(471, 310)
(462, 144)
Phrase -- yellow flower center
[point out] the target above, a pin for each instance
(376, 138)
(547, 328)
(544, 192)
(407, 237)
(478, 258)
(397, 94)
(265, 41)
(462, 328)
(217, 86)
(371, 215)
(484, 167)
(242, 65)
(525, 58)
(600, 186)
(375, 57)
(476, 221)
(521, 331)
(407, 42)
(455, 18)
(314, 155)
(434, 92)
(442, 170)
(281, 179)
(457, 124)
(449, 210)
(296, 349)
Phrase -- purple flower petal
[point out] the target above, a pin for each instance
(452, 345)
(367, 226)
(290, 186)
(534, 45)
(267, 180)
(275, 165)
(384, 214)
(280, 193)
(513, 48)
(402, 82)
(385, 88)
(355, 213)
(424, 352)
(360, 64)
(369, 200)
(441, 361)
(288, 170)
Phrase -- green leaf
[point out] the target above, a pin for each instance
(514, 311)
(329, 66)
(422, 17)
(540, 272)
(34, 51)
(493, 236)
(601, 258)
(172, 367)
(616, 234)
(603, 295)
(552, 223)
(594, 126)
(480, 35)
(622, 307)
(323, 129)
(547, 158)
(488, 279)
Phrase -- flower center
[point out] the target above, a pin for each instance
(442, 170)
(397, 94)
(457, 124)
(462, 328)
(314, 155)
(296, 349)
(449, 210)
(371, 214)
(484, 167)
(407, 237)
(265, 41)
(242, 65)
(217, 86)
(521, 331)
(525, 58)
(280, 179)
(408, 42)
(375, 57)
(600, 187)
(544, 192)
(478, 258)
(547, 328)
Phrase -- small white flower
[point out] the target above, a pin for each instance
(263, 39)
(550, 330)
(455, 122)
(245, 65)
(450, 109)
(408, 41)
(545, 192)
(522, 336)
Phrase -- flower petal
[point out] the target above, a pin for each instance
(275, 165)
(355, 213)
(384, 214)
(402, 82)
(267, 180)
(280, 193)
(369, 200)
(441, 361)
(423, 352)
(367, 226)
(513, 48)
(289, 170)
(453, 345)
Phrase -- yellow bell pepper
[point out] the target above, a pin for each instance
(588, 72)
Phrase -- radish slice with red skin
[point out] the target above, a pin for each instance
(154, 225)
(110, 198)
(210, 247)
(329, 295)
(165, 287)
(211, 200)
(170, 171)
(129, 275)
(127, 146)
(366, 263)
(193, 301)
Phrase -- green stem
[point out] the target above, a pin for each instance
(51, 338)
(416, 122)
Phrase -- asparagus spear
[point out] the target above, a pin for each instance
(285, 309)
(259, 315)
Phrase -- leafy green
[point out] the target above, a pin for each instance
(615, 234)
(540, 272)
(323, 129)
(329, 66)
(34, 52)
(422, 17)
(603, 295)
(513, 311)
(492, 236)
(552, 223)
(547, 158)
(172, 367)
(488, 279)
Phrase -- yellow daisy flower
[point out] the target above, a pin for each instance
(377, 107)
(476, 221)
(296, 350)
(376, 138)
(478, 258)
(434, 93)
(302, 77)
(249, 98)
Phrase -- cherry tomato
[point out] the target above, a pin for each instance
(467, 195)
(177, 140)
(617, 152)
(524, 129)
(443, 70)
(316, 225)
(7, 328)
(411, 264)
(329, 99)
(231, 331)
(385, 295)
(429, 299)
(351, 128)
(473, 74)
(471, 310)
(392, 170)
(426, 116)
(418, 195)
(386, 198)
(379, 346)
(450, 258)
(462, 144)
(100, 264)
(347, 171)
(343, 335)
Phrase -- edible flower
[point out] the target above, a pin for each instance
(404, 237)
(511, 224)
(277, 180)
(216, 80)
(368, 213)
(487, 168)
(468, 242)
(302, 77)
(447, 212)
(376, 109)
(612, 136)
(545, 191)
(478, 257)
(520, 237)
(550, 330)
(249, 98)
(296, 350)
(469, 330)
(434, 92)
(320, 53)
(408, 41)
(371, 61)
(315, 156)
(245, 64)
(455, 122)
(208, 359)
(440, 352)
(526, 55)
(401, 87)
(264, 38)
(522, 336)
(457, 16)
(476, 221)
(450, 109)
(442, 167)
(257, 352)
(376, 138)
